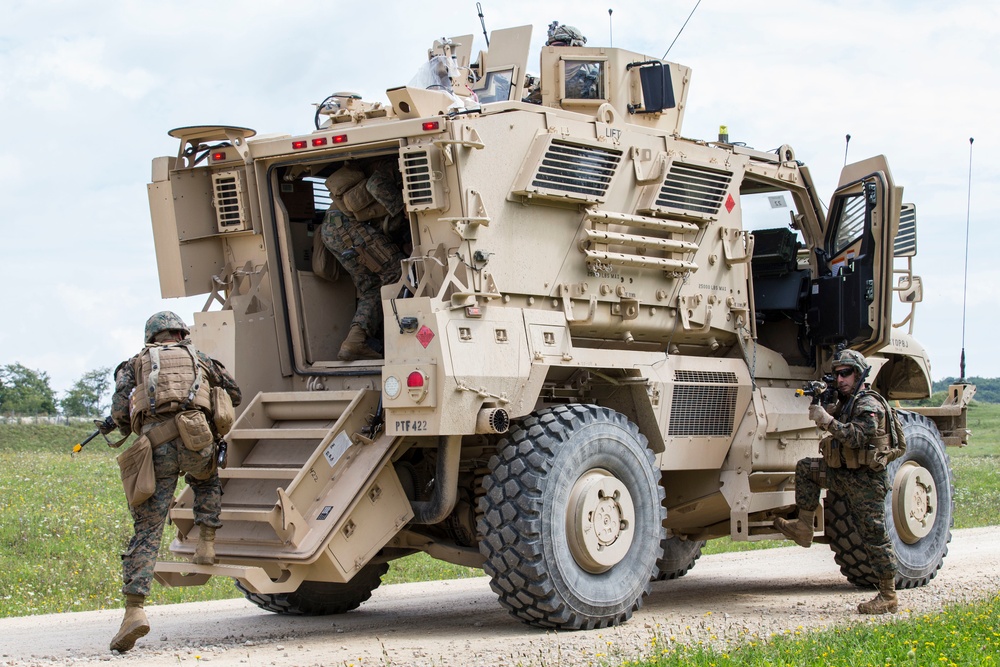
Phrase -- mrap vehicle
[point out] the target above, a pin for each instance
(590, 358)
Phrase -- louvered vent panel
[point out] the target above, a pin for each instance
(704, 409)
(571, 171)
(705, 377)
(694, 189)
(421, 178)
(906, 238)
(227, 195)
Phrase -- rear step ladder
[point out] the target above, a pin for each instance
(302, 479)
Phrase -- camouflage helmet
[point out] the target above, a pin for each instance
(851, 359)
(564, 35)
(164, 320)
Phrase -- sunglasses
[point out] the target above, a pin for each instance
(844, 372)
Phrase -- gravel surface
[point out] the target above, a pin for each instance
(725, 598)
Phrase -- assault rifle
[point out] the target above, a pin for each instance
(105, 426)
(824, 390)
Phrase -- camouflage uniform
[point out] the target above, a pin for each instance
(369, 257)
(862, 488)
(169, 460)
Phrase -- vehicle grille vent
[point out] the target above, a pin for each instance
(694, 189)
(706, 409)
(227, 196)
(570, 171)
(705, 377)
(420, 166)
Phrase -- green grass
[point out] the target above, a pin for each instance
(963, 634)
(64, 521)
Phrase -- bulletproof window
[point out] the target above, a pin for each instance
(849, 220)
(584, 79)
(495, 86)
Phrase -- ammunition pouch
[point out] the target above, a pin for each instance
(137, 474)
(194, 430)
(378, 254)
(829, 448)
(223, 414)
(852, 457)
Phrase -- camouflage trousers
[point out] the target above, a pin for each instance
(169, 460)
(371, 259)
(864, 491)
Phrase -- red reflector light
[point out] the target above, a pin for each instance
(340, 139)
(432, 125)
(320, 141)
(415, 379)
(221, 155)
(299, 144)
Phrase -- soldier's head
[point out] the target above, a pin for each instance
(848, 367)
(165, 325)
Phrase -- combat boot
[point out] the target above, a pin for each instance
(134, 625)
(885, 602)
(355, 346)
(800, 530)
(204, 553)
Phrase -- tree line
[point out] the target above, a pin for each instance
(24, 391)
(987, 389)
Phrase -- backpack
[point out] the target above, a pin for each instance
(895, 444)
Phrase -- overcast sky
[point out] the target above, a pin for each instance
(89, 90)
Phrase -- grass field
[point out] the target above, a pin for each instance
(64, 520)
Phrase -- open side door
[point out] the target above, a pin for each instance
(850, 298)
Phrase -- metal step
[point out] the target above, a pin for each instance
(287, 491)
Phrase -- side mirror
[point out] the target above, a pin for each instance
(911, 289)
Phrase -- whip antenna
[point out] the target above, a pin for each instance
(611, 30)
(681, 30)
(482, 20)
(847, 144)
(965, 285)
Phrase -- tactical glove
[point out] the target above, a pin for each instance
(820, 416)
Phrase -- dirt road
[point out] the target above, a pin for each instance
(459, 622)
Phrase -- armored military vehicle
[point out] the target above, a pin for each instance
(588, 364)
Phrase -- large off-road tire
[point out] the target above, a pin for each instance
(572, 518)
(918, 512)
(677, 557)
(320, 598)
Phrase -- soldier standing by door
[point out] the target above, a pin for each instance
(857, 426)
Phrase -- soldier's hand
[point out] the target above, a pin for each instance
(106, 426)
(819, 415)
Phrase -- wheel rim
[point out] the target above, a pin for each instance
(914, 502)
(600, 520)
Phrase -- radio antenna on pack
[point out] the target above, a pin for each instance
(611, 30)
(965, 285)
(681, 30)
(482, 20)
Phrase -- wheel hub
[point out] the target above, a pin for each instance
(914, 502)
(600, 518)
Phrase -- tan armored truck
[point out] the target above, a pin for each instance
(590, 360)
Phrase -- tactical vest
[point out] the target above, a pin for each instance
(169, 378)
(838, 454)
